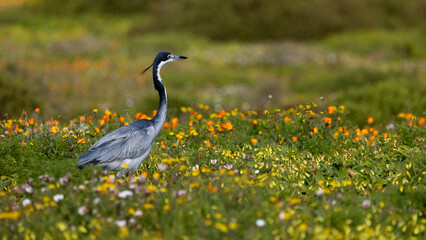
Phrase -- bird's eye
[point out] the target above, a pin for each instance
(168, 56)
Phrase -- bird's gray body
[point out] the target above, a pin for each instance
(131, 144)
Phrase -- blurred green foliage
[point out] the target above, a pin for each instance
(253, 19)
(16, 95)
(384, 98)
(100, 6)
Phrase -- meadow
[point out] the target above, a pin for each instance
(301, 173)
(317, 138)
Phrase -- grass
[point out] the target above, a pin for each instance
(305, 172)
(350, 166)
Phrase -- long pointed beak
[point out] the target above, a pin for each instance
(177, 57)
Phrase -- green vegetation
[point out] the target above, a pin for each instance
(15, 94)
(351, 165)
(296, 174)
(252, 19)
(76, 64)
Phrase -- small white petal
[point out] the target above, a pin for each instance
(58, 197)
(162, 167)
(138, 213)
(181, 193)
(120, 223)
(228, 166)
(82, 210)
(260, 223)
(125, 194)
(281, 216)
(320, 192)
(26, 202)
(366, 203)
(96, 201)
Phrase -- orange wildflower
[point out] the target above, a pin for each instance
(82, 140)
(174, 122)
(221, 114)
(210, 123)
(121, 119)
(253, 141)
(421, 121)
(154, 112)
(287, 119)
(138, 115)
(242, 116)
(166, 126)
(331, 109)
(327, 120)
(199, 116)
(82, 118)
(254, 122)
(31, 121)
(228, 126)
(370, 120)
(208, 144)
(107, 112)
(294, 138)
(163, 144)
(97, 130)
(54, 129)
(37, 110)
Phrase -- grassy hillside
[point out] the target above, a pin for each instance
(75, 64)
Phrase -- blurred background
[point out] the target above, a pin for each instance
(69, 57)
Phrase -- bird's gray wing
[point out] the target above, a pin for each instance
(127, 142)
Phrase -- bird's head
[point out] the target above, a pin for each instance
(163, 58)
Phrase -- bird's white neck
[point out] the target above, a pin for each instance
(160, 117)
(159, 68)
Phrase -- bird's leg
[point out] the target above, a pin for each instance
(121, 173)
(118, 176)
